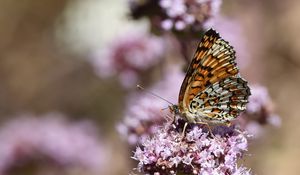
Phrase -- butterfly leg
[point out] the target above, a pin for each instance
(183, 130)
(204, 123)
(228, 123)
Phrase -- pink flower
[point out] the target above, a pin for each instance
(259, 99)
(128, 56)
(176, 15)
(168, 152)
(182, 14)
(52, 139)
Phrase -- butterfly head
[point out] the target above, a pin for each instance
(174, 109)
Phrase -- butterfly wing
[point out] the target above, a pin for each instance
(213, 76)
(221, 101)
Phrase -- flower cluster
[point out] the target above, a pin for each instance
(145, 112)
(52, 139)
(128, 56)
(169, 152)
(177, 15)
(181, 13)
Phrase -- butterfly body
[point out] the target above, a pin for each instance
(212, 90)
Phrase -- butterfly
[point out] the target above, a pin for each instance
(212, 90)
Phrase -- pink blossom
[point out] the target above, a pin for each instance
(53, 138)
(182, 14)
(188, 155)
(176, 15)
(128, 56)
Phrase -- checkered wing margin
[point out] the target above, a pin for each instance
(212, 87)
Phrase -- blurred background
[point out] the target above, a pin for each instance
(61, 101)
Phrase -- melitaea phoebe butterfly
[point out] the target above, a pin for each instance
(212, 90)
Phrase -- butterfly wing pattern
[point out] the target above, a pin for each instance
(212, 90)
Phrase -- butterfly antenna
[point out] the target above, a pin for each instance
(140, 87)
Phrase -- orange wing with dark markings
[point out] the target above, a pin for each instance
(213, 62)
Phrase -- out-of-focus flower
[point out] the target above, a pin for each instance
(50, 139)
(128, 56)
(183, 14)
(177, 15)
(168, 152)
(259, 111)
(144, 112)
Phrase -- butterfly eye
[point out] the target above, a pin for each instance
(174, 109)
